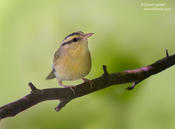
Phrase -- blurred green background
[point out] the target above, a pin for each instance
(126, 37)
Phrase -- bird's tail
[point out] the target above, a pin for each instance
(51, 75)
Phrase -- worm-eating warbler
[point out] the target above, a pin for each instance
(72, 60)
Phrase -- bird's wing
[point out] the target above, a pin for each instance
(55, 59)
(56, 55)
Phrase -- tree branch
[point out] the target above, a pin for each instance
(65, 95)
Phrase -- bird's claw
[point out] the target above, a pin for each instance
(91, 83)
(71, 88)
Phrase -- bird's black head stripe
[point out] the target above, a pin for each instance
(75, 33)
(70, 41)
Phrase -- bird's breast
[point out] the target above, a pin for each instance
(74, 64)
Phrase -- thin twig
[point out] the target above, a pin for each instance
(105, 70)
(167, 54)
(32, 87)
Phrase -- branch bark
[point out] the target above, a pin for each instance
(65, 95)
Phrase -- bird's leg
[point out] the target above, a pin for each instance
(60, 83)
(65, 86)
(91, 83)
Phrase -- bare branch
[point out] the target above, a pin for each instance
(167, 54)
(133, 85)
(105, 70)
(61, 105)
(32, 87)
(65, 95)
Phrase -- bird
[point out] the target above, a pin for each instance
(72, 60)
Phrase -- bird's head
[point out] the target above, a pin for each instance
(76, 38)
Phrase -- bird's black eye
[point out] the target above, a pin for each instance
(75, 39)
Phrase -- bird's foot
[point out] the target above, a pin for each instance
(67, 86)
(91, 83)
(71, 88)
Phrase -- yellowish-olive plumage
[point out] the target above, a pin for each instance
(72, 60)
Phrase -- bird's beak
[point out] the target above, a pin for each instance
(86, 36)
